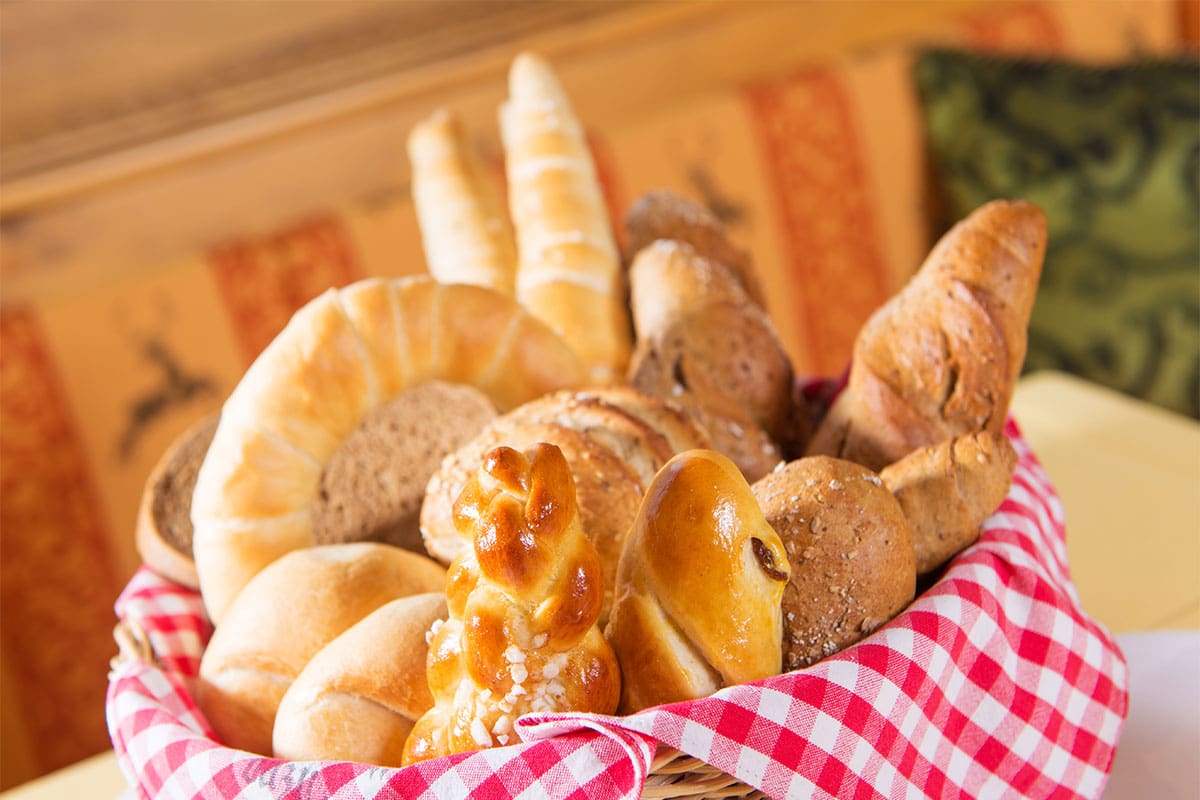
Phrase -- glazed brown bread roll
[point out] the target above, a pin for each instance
(358, 697)
(523, 601)
(698, 588)
(164, 525)
(850, 550)
(287, 613)
(342, 356)
(941, 358)
(947, 490)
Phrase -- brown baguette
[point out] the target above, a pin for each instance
(942, 357)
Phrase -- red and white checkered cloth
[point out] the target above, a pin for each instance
(994, 683)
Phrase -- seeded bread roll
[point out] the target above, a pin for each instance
(164, 524)
(372, 488)
(358, 697)
(342, 356)
(850, 550)
(287, 613)
(699, 587)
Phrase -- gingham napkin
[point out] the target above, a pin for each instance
(993, 683)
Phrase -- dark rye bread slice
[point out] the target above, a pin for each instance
(373, 487)
(163, 534)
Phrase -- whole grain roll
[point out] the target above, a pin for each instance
(850, 549)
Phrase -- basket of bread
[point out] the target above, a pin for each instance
(560, 521)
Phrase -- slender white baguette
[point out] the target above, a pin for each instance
(464, 229)
(568, 268)
(359, 696)
(341, 356)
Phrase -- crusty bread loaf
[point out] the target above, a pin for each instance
(941, 358)
(164, 525)
(614, 439)
(373, 485)
(464, 227)
(850, 550)
(699, 586)
(568, 268)
(947, 490)
(521, 634)
(664, 215)
(287, 613)
(358, 697)
(341, 356)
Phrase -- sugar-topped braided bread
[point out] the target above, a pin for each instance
(523, 603)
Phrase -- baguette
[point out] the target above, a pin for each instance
(941, 358)
(341, 356)
(568, 268)
(465, 231)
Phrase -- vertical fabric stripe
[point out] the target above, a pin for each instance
(57, 576)
(263, 282)
(813, 154)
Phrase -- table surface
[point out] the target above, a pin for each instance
(1129, 478)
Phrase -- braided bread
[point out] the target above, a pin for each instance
(521, 634)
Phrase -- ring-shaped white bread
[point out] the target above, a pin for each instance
(342, 355)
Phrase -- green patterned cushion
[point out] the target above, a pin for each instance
(1113, 157)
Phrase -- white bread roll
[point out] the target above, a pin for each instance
(359, 696)
(287, 613)
(341, 356)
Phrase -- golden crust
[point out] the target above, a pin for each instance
(342, 355)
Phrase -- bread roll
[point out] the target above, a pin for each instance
(358, 697)
(850, 550)
(464, 227)
(568, 269)
(699, 587)
(941, 358)
(164, 524)
(521, 634)
(341, 356)
(287, 613)
(947, 490)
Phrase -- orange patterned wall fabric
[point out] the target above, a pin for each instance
(819, 171)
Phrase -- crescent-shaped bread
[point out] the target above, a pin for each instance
(342, 355)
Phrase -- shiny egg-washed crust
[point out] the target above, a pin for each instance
(287, 613)
(464, 228)
(523, 604)
(941, 358)
(342, 355)
(947, 490)
(663, 215)
(699, 586)
(850, 550)
(614, 439)
(568, 268)
(358, 697)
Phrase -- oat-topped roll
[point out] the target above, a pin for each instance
(568, 269)
(521, 634)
